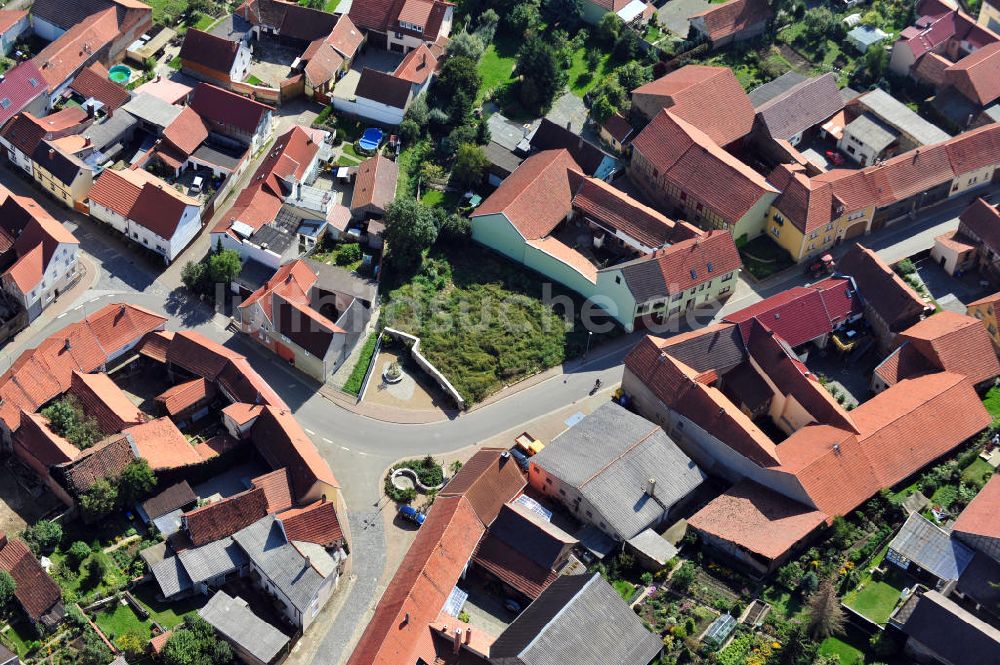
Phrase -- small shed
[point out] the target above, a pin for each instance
(651, 550)
(864, 37)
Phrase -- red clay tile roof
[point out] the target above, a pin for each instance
(905, 361)
(292, 282)
(226, 517)
(208, 51)
(117, 326)
(537, 195)
(35, 590)
(61, 59)
(807, 204)
(512, 567)
(105, 460)
(980, 517)
(417, 592)
(375, 183)
(991, 299)
(893, 300)
(981, 220)
(160, 209)
(217, 445)
(199, 355)
(36, 439)
(93, 82)
(974, 149)
(241, 382)
(691, 160)
(931, 69)
(228, 108)
(186, 395)
(732, 17)
(609, 205)
(618, 127)
(103, 400)
(373, 14)
(709, 98)
(116, 191)
(277, 486)
(315, 523)
(345, 37)
(909, 426)
(956, 343)
(977, 75)
(155, 345)
(757, 519)
(186, 131)
(242, 413)
(488, 480)
(157, 643)
(170, 499)
(680, 266)
(21, 85)
(803, 313)
(323, 62)
(417, 66)
(281, 441)
(32, 235)
(9, 17)
(163, 445)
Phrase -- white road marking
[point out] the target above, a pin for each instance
(361, 452)
(327, 440)
(310, 432)
(345, 448)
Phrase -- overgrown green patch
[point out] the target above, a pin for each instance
(992, 402)
(483, 321)
(353, 385)
(763, 257)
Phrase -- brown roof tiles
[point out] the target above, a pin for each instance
(733, 17)
(226, 517)
(488, 480)
(316, 523)
(163, 445)
(277, 486)
(35, 590)
(980, 517)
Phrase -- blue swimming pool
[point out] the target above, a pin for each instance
(371, 139)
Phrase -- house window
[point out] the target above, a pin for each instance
(684, 196)
(694, 274)
(618, 279)
(548, 481)
(709, 266)
(563, 492)
(775, 231)
(725, 289)
(728, 277)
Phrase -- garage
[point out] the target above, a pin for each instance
(855, 230)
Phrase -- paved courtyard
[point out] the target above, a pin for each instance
(378, 59)
(272, 62)
(674, 14)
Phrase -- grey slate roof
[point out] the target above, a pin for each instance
(951, 632)
(212, 559)
(653, 545)
(610, 455)
(501, 157)
(265, 545)
(897, 114)
(111, 130)
(808, 103)
(238, 624)
(152, 109)
(931, 547)
(871, 132)
(977, 582)
(772, 89)
(578, 619)
(508, 133)
(171, 576)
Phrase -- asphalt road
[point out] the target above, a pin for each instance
(357, 447)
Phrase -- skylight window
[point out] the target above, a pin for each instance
(5, 103)
(694, 274)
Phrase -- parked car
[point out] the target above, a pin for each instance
(412, 514)
(197, 184)
(520, 458)
(512, 606)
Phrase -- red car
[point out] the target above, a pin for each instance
(835, 157)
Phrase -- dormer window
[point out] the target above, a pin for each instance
(411, 26)
(694, 274)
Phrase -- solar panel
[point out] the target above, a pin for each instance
(456, 599)
(534, 507)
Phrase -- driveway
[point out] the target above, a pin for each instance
(674, 15)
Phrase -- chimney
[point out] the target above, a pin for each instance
(67, 345)
(458, 640)
(468, 636)
(52, 153)
(651, 487)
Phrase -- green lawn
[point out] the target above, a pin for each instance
(168, 615)
(784, 602)
(175, 63)
(581, 76)
(331, 255)
(435, 198)
(497, 63)
(876, 600)
(204, 22)
(344, 160)
(162, 7)
(349, 149)
(992, 402)
(17, 636)
(849, 655)
(978, 470)
(625, 589)
(253, 80)
(120, 620)
(84, 584)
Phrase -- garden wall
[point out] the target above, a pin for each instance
(426, 365)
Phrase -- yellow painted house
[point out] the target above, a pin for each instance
(985, 309)
(62, 175)
(814, 214)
